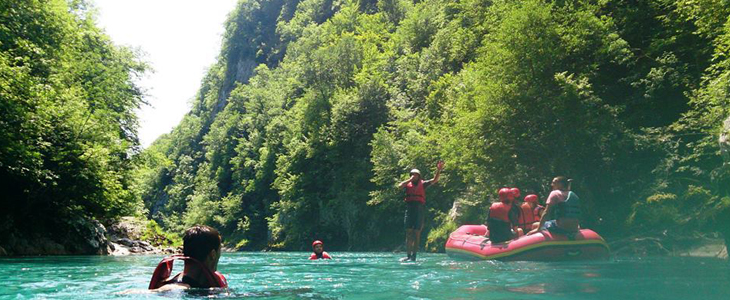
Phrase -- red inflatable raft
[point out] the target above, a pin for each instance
(469, 242)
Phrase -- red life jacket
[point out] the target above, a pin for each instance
(415, 193)
(528, 216)
(500, 211)
(324, 256)
(164, 269)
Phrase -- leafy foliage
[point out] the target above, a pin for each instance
(508, 93)
(67, 119)
(317, 108)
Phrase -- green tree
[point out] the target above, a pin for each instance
(67, 99)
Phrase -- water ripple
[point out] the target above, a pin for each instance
(261, 275)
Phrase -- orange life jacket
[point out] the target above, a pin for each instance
(498, 222)
(528, 216)
(500, 211)
(415, 193)
(325, 255)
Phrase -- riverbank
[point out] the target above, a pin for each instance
(665, 243)
(126, 236)
(668, 243)
(136, 236)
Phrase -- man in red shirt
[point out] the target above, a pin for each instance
(415, 200)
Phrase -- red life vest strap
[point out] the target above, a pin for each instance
(222, 282)
(164, 270)
(325, 255)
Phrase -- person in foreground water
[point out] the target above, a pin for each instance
(201, 252)
(562, 209)
(319, 253)
(415, 208)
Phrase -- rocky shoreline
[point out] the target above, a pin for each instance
(126, 246)
(125, 238)
(667, 243)
(89, 237)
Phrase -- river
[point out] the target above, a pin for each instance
(289, 275)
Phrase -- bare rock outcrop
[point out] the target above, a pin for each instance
(79, 236)
(126, 237)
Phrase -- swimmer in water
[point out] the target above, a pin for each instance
(318, 248)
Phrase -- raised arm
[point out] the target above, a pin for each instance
(439, 167)
(404, 183)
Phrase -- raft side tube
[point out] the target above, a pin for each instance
(466, 243)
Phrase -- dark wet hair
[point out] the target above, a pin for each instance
(564, 181)
(199, 240)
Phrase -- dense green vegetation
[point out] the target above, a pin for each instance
(317, 108)
(67, 125)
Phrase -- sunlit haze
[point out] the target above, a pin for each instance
(180, 39)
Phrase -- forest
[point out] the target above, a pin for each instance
(316, 109)
(68, 129)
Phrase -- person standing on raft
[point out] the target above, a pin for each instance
(562, 209)
(318, 248)
(415, 200)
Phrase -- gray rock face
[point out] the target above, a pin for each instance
(725, 141)
(146, 246)
(84, 236)
(91, 236)
(135, 246)
(456, 211)
(126, 238)
(126, 242)
(126, 227)
(243, 72)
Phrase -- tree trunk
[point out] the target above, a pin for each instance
(724, 219)
(725, 141)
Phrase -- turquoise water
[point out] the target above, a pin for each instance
(290, 275)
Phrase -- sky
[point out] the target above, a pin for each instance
(179, 39)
